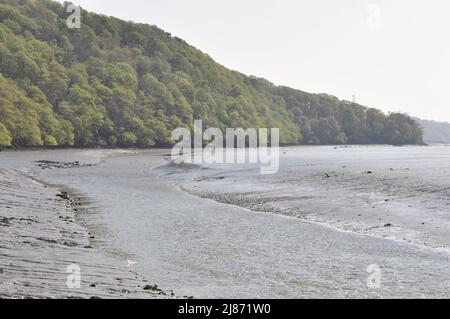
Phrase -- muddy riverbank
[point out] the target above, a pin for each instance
(43, 248)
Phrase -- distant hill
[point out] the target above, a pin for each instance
(435, 132)
(116, 83)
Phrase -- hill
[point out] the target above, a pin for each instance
(116, 83)
(435, 132)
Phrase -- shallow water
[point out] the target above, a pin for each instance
(42, 244)
(144, 210)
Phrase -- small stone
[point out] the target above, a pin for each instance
(150, 287)
(63, 195)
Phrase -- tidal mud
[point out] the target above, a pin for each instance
(40, 242)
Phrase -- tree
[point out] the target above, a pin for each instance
(116, 83)
(5, 136)
(128, 139)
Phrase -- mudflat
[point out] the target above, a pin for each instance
(45, 253)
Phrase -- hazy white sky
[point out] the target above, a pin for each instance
(391, 54)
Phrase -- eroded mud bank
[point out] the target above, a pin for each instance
(40, 239)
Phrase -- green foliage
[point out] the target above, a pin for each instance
(5, 137)
(128, 139)
(50, 141)
(115, 83)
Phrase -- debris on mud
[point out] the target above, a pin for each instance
(44, 164)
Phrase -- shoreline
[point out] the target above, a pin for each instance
(236, 200)
(87, 148)
(41, 238)
(389, 202)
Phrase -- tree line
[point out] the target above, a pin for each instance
(113, 83)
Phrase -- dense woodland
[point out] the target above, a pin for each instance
(114, 83)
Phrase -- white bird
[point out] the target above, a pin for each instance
(131, 263)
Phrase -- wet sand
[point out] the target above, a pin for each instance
(39, 239)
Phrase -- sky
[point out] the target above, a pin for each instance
(393, 55)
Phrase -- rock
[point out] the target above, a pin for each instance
(93, 285)
(70, 243)
(54, 164)
(153, 288)
(387, 225)
(149, 287)
(4, 221)
(63, 195)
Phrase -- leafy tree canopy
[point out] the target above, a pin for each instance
(115, 83)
